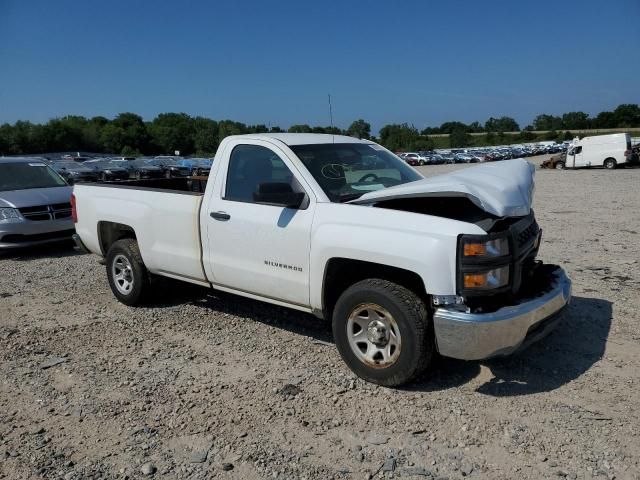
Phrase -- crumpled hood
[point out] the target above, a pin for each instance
(504, 189)
(35, 196)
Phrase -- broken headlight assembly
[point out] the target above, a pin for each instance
(484, 264)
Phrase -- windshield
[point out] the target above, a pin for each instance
(346, 171)
(23, 176)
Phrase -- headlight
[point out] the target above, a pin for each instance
(496, 278)
(472, 248)
(9, 213)
(484, 264)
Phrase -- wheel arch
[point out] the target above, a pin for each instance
(340, 273)
(111, 232)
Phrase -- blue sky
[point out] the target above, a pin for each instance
(275, 62)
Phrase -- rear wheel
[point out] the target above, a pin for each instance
(382, 331)
(128, 277)
(610, 163)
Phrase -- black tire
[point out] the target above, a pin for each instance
(103, 177)
(610, 163)
(413, 322)
(558, 165)
(167, 174)
(141, 281)
(138, 175)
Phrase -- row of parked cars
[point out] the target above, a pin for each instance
(86, 169)
(476, 155)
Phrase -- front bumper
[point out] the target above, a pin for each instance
(27, 233)
(476, 336)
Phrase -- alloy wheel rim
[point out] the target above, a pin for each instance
(373, 335)
(122, 274)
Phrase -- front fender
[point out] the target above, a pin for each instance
(423, 244)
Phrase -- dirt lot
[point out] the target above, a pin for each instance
(214, 386)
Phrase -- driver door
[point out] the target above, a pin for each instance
(258, 248)
(578, 158)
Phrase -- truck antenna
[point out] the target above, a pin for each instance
(331, 118)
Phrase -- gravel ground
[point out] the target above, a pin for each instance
(206, 385)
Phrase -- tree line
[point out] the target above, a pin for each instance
(129, 134)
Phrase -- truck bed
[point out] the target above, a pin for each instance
(164, 215)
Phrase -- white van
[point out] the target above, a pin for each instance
(608, 151)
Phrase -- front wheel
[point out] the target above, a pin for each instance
(610, 164)
(559, 166)
(128, 277)
(383, 333)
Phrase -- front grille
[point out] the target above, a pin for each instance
(528, 234)
(41, 213)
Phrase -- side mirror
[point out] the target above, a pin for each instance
(278, 193)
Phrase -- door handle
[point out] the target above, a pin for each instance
(222, 216)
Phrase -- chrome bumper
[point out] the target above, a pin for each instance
(476, 336)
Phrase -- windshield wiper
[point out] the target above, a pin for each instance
(345, 197)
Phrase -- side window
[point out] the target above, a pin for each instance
(578, 150)
(251, 165)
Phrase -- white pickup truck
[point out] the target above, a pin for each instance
(403, 266)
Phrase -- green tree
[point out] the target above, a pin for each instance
(546, 122)
(502, 124)
(604, 120)
(359, 129)
(449, 127)
(112, 138)
(526, 136)
(459, 138)
(229, 127)
(575, 120)
(173, 131)
(260, 128)
(475, 127)
(627, 115)
(304, 128)
(133, 131)
(430, 131)
(205, 136)
(397, 137)
(333, 130)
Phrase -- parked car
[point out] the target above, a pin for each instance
(170, 167)
(448, 158)
(141, 168)
(35, 204)
(74, 172)
(413, 159)
(198, 166)
(75, 158)
(403, 266)
(107, 170)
